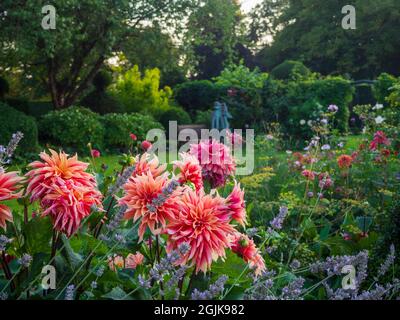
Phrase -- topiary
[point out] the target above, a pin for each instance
(4, 87)
(12, 121)
(118, 128)
(290, 70)
(72, 129)
(175, 114)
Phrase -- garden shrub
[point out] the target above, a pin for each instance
(117, 128)
(142, 94)
(382, 87)
(302, 100)
(203, 117)
(72, 128)
(199, 95)
(290, 70)
(12, 121)
(99, 100)
(175, 114)
(4, 87)
(239, 76)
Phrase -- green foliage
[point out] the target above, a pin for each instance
(35, 109)
(102, 80)
(72, 129)
(139, 93)
(203, 117)
(295, 101)
(311, 29)
(175, 114)
(290, 70)
(382, 88)
(118, 127)
(199, 95)
(101, 102)
(4, 87)
(239, 76)
(13, 121)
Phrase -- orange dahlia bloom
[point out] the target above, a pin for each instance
(147, 163)
(203, 224)
(56, 165)
(9, 185)
(149, 198)
(189, 171)
(236, 205)
(68, 203)
(243, 246)
(345, 161)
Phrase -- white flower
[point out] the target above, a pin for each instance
(378, 106)
(270, 137)
(324, 122)
(310, 123)
(333, 108)
(341, 145)
(379, 120)
(289, 152)
(302, 122)
(326, 147)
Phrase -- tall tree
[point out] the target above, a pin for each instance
(213, 34)
(87, 33)
(311, 31)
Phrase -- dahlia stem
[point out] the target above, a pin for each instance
(7, 271)
(159, 260)
(25, 213)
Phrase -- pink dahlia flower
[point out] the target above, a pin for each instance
(215, 160)
(147, 163)
(132, 261)
(9, 186)
(236, 205)
(379, 139)
(68, 202)
(57, 165)
(148, 198)
(203, 224)
(189, 171)
(243, 246)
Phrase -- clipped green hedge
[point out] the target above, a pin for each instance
(175, 114)
(12, 121)
(72, 129)
(118, 127)
(199, 95)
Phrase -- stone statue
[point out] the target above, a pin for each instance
(221, 116)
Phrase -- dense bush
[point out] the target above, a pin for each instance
(239, 76)
(139, 93)
(4, 87)
(298, 101)
(12, 121)
(290, 70)
(382, 87)
(72, 128)
(175, 114)
(203, 117)
(35, 109)
(198, 95)
(99, 100)
(117, 129)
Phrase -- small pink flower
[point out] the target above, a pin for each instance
(133, 136)
(236, 205)
(146, 145)
(309, 175)
(96, 153)
(134, 260)
(115, 262)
